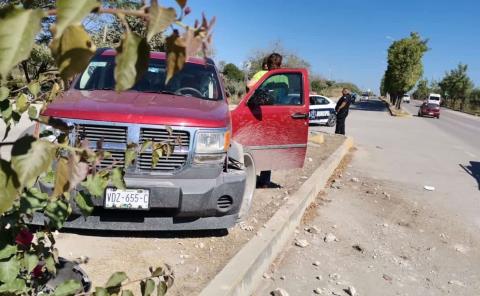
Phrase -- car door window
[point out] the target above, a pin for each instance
(322, 101)
(284, 89)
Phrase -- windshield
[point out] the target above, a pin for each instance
(193, 80)
(434, 98)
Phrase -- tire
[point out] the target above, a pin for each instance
(250, 185)
(332, 120)
(438, 116)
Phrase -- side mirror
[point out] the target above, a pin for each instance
(260, 97)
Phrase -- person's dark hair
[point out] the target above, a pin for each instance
(274, 61)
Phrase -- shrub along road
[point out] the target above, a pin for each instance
(390, 236)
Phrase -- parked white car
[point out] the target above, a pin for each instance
(406, 98)
(322, 110)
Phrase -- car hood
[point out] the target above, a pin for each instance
(142, 108)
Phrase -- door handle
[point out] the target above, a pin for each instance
(299, 115)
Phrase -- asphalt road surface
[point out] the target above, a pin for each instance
(418, 151)
(464, 127)
(390, 235)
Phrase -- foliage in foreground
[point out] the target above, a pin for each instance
(28, 260)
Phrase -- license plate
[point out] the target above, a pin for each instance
(135, 199)
(430, 113)
(323, 113)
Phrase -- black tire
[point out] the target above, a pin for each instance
(438, 116)
(332, 120)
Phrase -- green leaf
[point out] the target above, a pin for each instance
(61, 177)
(50, 265)
(67, 288)
(72, 12)
(58, 212)
(9, 270)
(130, 154)
(8, 251)
(22, 103)
(4, 92)
(99, 291)
(32, 112)
(33, 200)
(162, 288)
(116, 279)
(160, 19)
(176, 54)
(30, 261)
(147, 287)
(6, 109)
(84, 202)
(158, 272)
(54, 92)
(18, 28)
(16, 116)
(17, 287)
(34, 88)
(131, 61)
(127, 293)
(156, 155)
(96, 184)
(116, 177)
(31, 158)
(9, 184)
(72, 51)
(145, 145)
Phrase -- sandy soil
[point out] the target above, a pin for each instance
(195, 256)
(382, 243)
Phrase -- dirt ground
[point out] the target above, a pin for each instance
(196, 257)
(371, 239)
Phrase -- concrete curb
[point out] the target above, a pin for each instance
(244, 271)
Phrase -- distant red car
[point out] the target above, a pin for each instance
(429, 109)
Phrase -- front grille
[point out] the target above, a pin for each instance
(115, 139)
(93, 132)
(170, 163)
(117, 159)
(165, 164)
(162, 135)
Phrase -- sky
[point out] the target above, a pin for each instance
(347, 40)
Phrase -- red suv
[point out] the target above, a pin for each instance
(209, 179)
(429, 109)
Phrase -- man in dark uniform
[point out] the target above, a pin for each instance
(341, 108)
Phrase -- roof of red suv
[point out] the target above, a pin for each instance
(158, 55)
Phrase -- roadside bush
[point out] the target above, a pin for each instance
(28, 257)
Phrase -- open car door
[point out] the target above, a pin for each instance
(271, 122)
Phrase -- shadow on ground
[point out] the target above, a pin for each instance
(371, 105)
(149, 234)
(473, 170)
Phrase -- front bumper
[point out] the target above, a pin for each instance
(187, 201)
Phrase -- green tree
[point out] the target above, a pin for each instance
(318, 85)
(290, 59)
(29, 259)
(404, 66)
(232, 72)
(456, 85)
(422, 90)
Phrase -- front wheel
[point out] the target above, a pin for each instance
(250, 185)
(332, 120)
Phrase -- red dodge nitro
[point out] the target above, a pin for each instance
(209, 179)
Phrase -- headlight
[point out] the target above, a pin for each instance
(212, 142)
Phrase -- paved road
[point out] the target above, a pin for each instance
(409, 241)
(459, 125)
(415, 151)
